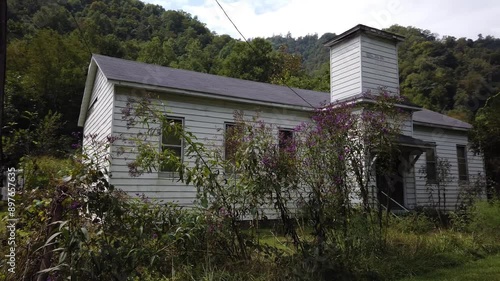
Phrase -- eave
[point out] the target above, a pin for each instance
(366, 29)
(87, 93)
(440, 126)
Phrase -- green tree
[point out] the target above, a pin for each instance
(486, 138)
(46, 73)
(157, 52)
(255, 61)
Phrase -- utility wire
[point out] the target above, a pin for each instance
(227, 16)
(82, 37)
(255, 50)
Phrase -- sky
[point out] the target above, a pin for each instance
(265, 18)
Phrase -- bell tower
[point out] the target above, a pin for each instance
(363, 59)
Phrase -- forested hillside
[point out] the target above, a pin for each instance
(50, 43)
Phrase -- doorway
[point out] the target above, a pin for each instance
(390, 184)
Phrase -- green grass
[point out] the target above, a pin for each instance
(266, 236)
(484, 269)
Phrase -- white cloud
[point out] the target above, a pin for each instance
(258, 18)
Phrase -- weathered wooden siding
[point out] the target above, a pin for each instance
(407, 126)
(379, 65)
(410, 199)
(205, 118)
(446, 147)
(345, 69)
(363, 63)
(100, 111)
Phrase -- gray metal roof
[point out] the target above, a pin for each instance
(148, 74)
(429, 117)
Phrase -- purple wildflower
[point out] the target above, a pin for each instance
(74, 205)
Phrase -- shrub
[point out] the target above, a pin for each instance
(415, 222)
(485, 223)
(39, 172)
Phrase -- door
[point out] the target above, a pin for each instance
(390, 185)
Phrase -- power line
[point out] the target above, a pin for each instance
(227, 16)
(255, 50)
(82, 37)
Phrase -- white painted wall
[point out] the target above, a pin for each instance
(100, 112)
(446, 141)
(379, 64)
(205, 118)
(363, 63)
(345, 69)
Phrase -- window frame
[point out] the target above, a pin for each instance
(281, 145)
(433, 161)
(226, 126)
(464, 177)
(165, 173)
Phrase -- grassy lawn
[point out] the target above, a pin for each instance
(485, 269)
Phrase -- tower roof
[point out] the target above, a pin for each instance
(360, 28)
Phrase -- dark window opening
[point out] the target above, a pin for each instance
(431, 169)
(285, 138)
(462, 163)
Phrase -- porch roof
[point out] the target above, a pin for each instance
(413, 142)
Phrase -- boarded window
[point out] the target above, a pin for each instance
(430, 161)
(171, 141)
(462, 163)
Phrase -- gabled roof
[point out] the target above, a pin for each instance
(120, 71)
(434, 119)
(166, 77)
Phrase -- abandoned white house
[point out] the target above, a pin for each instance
(361, 59)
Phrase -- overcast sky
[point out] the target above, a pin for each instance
(264, 18)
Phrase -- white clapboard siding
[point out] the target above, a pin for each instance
(99, 114)
(446, 147)
(410, 200)
(361, 64)
(379, 64)
(100, 109)
(345, 69)
(407, 126)
(205, 118)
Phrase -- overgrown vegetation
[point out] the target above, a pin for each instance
(74, 224)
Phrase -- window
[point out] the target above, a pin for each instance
(285, 137)
(462, 163)
(171, 141)
(430, 161)
(230, 141)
